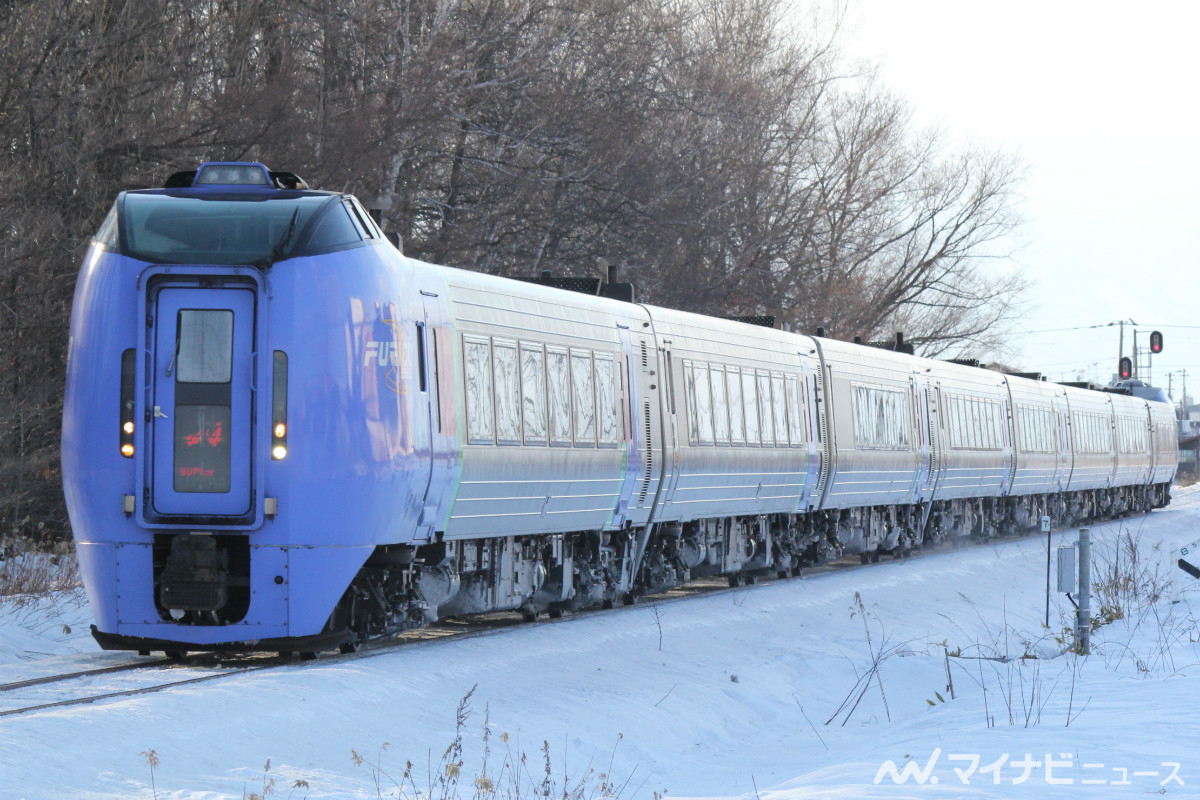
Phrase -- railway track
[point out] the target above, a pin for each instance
(205, 667)
(147, 676)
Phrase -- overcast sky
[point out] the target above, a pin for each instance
(1099, 100)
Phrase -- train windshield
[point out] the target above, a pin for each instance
(220, 229)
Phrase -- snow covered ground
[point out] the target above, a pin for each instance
(758, 692)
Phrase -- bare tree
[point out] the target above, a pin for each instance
(713, 150)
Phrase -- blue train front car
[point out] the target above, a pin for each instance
(238, 433)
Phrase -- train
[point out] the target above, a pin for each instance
(282, 434)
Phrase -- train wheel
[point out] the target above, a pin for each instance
(555, 613)
(629, 599)
(308, 655)
(175, 655)
(529, 614)
(349, 647)
(735, 580)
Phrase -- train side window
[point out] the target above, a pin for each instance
(780, 407)
(975, 426)
(364, 221)
(508, 392)
(767, 426)
(533, 393)
(737, 407)
(583, 394)
(669, 382)
(334, 229)
(720, 403)
(991, 415)
(608, 415)
(973, 423)
(987, 432)
(356, 220)
(478, 368)
(689, 388)
(949, 419)
(558, 381)
(978, 423)
(1086, 434)
(704, 429)
(750, 399)
(793, 410)
(625, 374)
(421, 378)
(107, 235)
(882, 417)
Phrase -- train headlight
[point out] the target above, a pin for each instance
(128, 370)
(279, 407)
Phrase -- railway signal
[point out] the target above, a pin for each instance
(1125, 368)
(1156, 342)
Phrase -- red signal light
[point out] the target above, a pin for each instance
(1156, 342)
(1125, 368)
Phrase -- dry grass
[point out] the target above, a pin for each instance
(28, 573)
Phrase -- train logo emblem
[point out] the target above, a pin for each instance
(386, 354)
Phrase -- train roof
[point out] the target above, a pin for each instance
(226, 175)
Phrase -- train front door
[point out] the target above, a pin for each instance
(201, 401)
